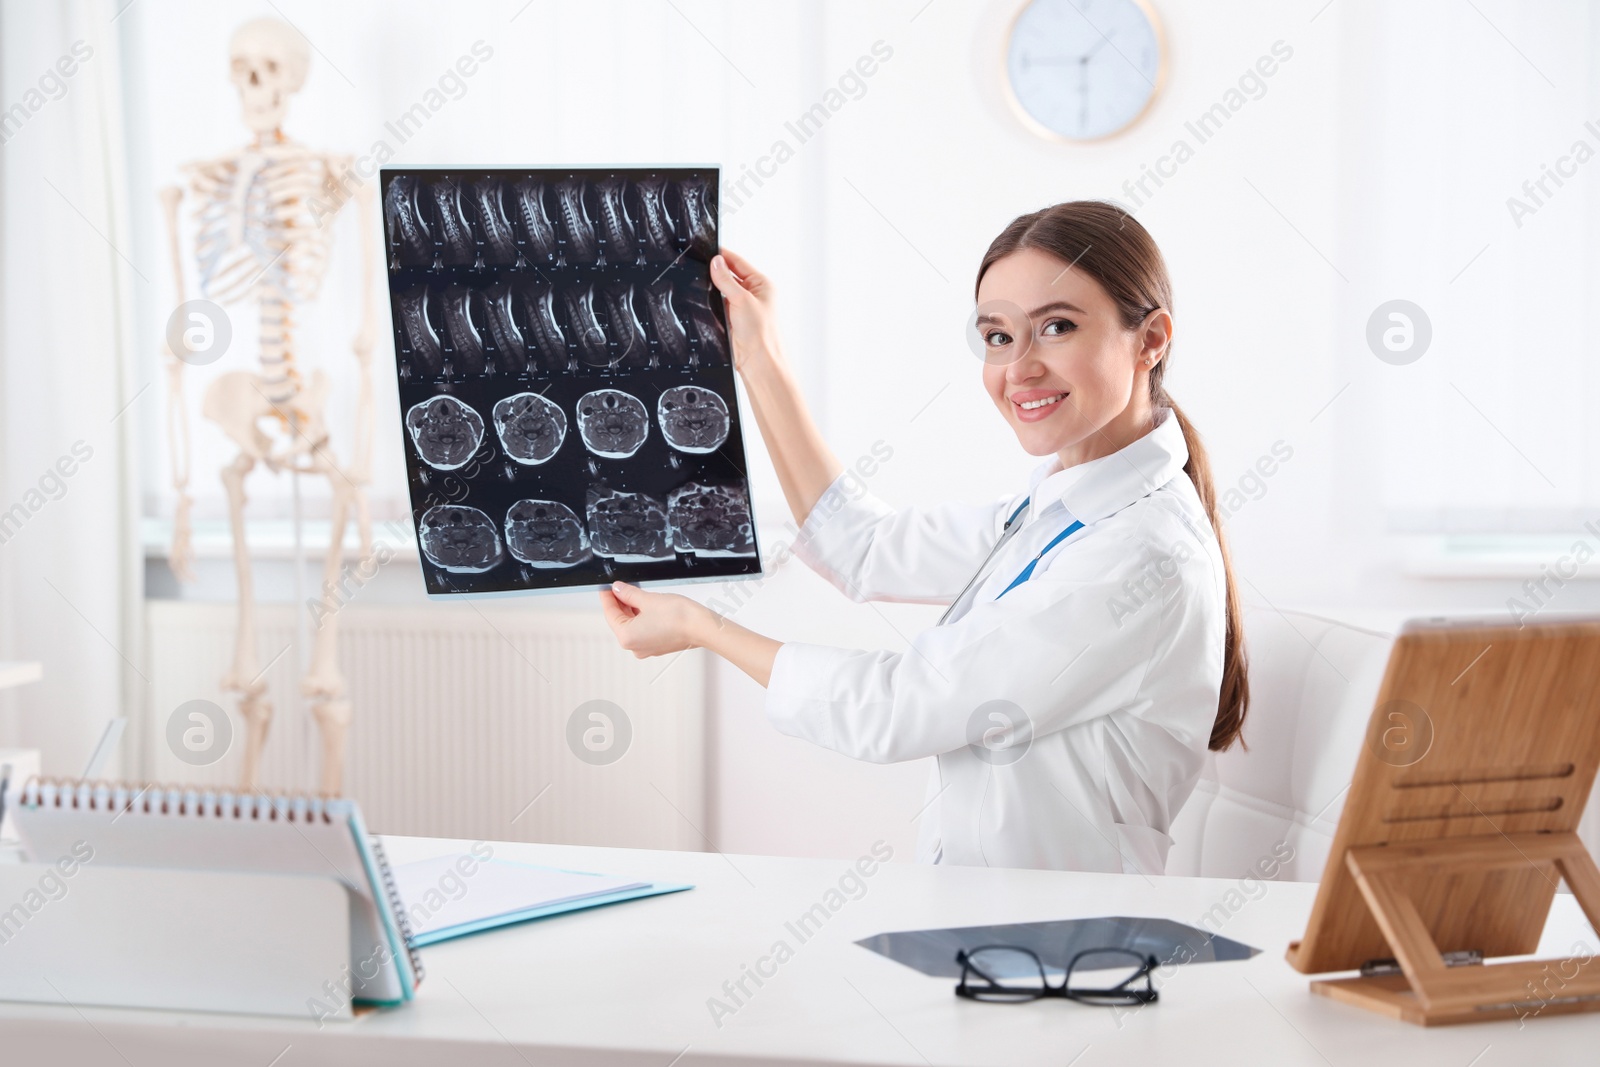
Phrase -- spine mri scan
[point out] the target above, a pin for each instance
(566, 382)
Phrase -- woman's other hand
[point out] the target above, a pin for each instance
(653, 624)
(752, 317)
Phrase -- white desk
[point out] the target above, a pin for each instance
(629, 985)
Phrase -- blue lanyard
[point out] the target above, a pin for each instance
(1027, 572)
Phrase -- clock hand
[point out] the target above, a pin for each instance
(1105, 39)
(1083, 80)
(1051, 61)
(1083, 93)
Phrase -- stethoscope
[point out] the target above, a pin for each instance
(1006, 533)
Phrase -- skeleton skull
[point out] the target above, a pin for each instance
(268, 59)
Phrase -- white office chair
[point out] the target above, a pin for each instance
(1312, 685)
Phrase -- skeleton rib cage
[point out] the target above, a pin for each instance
(258, 234)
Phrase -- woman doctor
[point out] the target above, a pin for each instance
(1092, 650)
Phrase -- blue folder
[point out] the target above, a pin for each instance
(430, 887)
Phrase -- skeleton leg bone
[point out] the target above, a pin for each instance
(324, 684)
(333, 722)
(245, 676)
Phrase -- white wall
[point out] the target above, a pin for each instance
(874, 228)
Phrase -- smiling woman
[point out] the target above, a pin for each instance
(1067, 729)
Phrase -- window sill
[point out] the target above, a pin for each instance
(274, 538)
(1502, 556)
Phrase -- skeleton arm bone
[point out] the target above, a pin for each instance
(180, 557)
(361, 469)
(366, 208)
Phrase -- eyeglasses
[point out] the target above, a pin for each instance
(1003, 974)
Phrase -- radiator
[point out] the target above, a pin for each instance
(461, 721)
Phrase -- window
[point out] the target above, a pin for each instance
(1479, 200)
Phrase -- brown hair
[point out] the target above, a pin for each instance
(1110, 246)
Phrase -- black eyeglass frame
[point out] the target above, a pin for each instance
(1112, 996)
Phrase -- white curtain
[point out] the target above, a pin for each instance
(70, 562)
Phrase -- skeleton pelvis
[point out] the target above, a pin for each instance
(238, 403)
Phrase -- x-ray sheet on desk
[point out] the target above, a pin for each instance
(566, 381)
(1057, 941)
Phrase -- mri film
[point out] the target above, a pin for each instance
(565, 378)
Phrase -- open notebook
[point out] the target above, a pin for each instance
(455, 895)
(191, 829)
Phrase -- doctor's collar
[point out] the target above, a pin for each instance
(1102, 487)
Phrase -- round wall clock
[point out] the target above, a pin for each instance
(1080, 70)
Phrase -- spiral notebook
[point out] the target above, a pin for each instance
(132, 825)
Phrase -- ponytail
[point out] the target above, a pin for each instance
(1113, 248)
(1235, 695)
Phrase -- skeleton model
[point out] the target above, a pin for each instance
(262, 238)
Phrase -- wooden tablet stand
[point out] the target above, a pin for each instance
(1460, 820)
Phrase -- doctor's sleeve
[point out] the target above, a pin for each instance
(870, 551)
(1062, 648)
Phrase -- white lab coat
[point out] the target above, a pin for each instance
(1109, 660)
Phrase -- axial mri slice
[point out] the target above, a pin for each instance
(612, 423)
(628, 527)
(530, 427)
(445, 431)
(545, 533)
(459, 539)
(693, 419)
(711, 520)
